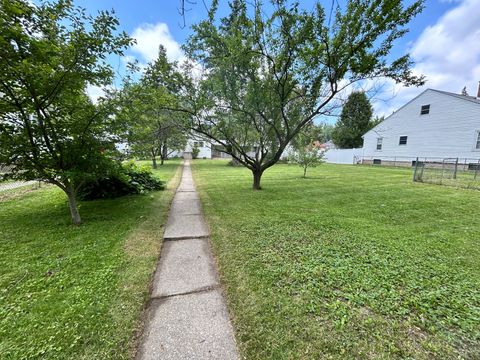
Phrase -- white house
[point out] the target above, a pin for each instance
(203, 146)
(435, 124)
(207, 150)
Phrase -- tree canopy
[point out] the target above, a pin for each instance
(145, 108)
(49, 128)
(355, 120)
(266, 72)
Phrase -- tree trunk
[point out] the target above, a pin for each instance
(304, 171)
(72, 203)
(163, 154)
(257, 176)
(154, 157)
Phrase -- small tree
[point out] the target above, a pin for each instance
(309, 156)
(307, 151)
(49, 128)
(354, 121)
(195, 151)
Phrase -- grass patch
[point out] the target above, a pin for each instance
(352, 262)
(71, 292)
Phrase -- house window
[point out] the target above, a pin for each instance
(377, 162)
(379, 143)
(474, 166)
(477, 142)
(425, 109)
(198, 143)
(403, 140)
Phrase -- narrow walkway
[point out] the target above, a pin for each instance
(187, 317)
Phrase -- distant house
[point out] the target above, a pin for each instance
(204, 147)
(207, 149)
(435, 124)
(329, 145)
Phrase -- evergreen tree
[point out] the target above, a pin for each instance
(354, 121)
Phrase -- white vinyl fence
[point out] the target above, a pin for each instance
(343, 156)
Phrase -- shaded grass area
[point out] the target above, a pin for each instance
(71, 292)
(352, 262)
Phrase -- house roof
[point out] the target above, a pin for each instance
(458, 96)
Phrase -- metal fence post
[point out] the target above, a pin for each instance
(455, 169)
(415, 171)
(476, 170)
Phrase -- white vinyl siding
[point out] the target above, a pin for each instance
(445, 132)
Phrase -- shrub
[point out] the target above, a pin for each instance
(234, 162)
(124, 180)
(195, 152)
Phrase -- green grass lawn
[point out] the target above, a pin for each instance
(70, 292)
(352, 262)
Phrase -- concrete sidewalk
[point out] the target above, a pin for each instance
(187, 317)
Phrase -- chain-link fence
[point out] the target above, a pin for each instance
(463, 173)
(460, 172)
(11, 185)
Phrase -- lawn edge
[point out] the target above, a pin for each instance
(139, 328)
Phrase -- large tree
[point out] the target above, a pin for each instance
(152, 128)
(355, 120)
(269, 70)
(49, 129)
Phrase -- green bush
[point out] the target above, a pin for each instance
(125, 180)
(195, 152)
(234, 162)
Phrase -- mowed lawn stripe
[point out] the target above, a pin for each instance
(352, 262)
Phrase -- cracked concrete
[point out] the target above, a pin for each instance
(187, 317)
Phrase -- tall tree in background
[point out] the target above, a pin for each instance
(270, 70)
(355, 120)
(326, 131)
(152, 129)
(49, 128)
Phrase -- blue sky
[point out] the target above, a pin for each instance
(444, 41)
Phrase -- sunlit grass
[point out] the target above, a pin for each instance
(70, 292)
(352, 262)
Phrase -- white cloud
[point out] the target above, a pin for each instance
(150, 36)
(447, 53)
(95, 92)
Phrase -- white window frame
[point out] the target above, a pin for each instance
(400, 139)
(379, 142)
